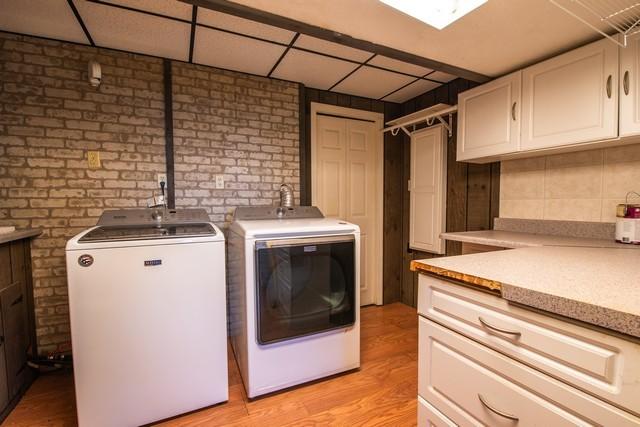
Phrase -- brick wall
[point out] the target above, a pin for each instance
(236, 125)
(241, 126)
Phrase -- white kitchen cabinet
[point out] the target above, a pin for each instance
(427, 189)
(489, 118)
(429, 416)
(630, 87)
(593, 361)
(472, 385)
(571, 98)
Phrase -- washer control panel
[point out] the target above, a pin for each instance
(128, 217)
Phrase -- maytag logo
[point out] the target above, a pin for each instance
(85, 260)
(152, 262)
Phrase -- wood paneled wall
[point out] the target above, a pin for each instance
(473, 191)
(393, 217)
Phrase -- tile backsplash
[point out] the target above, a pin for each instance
(581, 186)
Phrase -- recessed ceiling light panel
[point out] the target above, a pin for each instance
(437, 13)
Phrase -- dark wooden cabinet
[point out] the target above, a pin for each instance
(17, 322)
(4, 383)
(16, 337)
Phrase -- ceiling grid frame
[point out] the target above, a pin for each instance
(192, 39)
(288, 47)
(87, 34)
(194, 24)
(353, 71)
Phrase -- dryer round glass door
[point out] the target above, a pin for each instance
(304, 286)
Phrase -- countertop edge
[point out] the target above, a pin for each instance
(614, 320)
(492, 285)
(456, 237)
(20, 234)
(608, 318)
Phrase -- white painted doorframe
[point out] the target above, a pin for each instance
(378, 120)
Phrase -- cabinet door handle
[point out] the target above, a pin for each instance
(609, 86)
(17, 301)
(625, 82)
(497, 411)
(497, 329)
(513, 111)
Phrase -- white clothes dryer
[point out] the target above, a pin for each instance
(294, 311)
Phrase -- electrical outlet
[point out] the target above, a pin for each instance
(93, 159)
(162, 177)
(219, 182)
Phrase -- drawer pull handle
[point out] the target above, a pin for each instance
(497, 411)
(497, 329)
(609, 87)
(513, 111)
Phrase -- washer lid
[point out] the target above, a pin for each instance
(146, 232)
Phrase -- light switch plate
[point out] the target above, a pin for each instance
(219, 182)
(93, 159)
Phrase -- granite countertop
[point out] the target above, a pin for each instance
(515, 239)
(20, 234)
(600, 286)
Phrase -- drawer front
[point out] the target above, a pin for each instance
(473, 385)
(601, 364)
(428, 416)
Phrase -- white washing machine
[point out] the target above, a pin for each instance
(148, 316)
(294, 305)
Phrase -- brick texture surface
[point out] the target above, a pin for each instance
(242, 127)
(239, 126)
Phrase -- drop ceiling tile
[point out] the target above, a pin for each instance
(403, 67)
(330, 48)
(172, 8)
(315, 71)
(135, 32)
(46, 18)
(372, 83)
(224, 50)
(441, 77)
(414, 89)
(244, 26)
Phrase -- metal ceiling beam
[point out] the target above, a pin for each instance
(268, 18)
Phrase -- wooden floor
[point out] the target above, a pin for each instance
(381, 393)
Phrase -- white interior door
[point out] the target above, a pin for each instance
(347, 184)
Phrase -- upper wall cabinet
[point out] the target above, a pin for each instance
(571, 98)
(630, 87)
(489, 118)
(566, 103)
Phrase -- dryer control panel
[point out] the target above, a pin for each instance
(276, 212)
